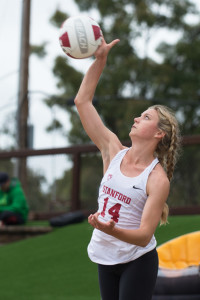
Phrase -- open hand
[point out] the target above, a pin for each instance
(104, 48)
(105, 227)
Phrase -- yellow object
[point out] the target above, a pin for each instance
(181, 252)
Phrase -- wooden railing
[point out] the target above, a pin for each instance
(77, 151)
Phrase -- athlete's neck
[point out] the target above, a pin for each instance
(139, 155)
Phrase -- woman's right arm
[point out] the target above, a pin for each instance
(105, 140)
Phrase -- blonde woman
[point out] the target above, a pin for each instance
(132, 194)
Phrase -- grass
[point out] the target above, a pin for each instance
(177, 226)
(55, 266)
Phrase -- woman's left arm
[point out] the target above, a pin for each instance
(158, 190)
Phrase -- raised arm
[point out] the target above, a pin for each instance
(105, 140)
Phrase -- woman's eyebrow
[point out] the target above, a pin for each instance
(146, 114)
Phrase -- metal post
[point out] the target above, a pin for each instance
(22, 113)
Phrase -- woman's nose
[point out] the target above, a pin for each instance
(136, 119)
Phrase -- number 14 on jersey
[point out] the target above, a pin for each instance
(113, 211)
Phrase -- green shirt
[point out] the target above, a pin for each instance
(14, 199)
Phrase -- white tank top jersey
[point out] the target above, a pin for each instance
(121, 198)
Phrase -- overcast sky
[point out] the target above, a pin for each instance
(41, 80)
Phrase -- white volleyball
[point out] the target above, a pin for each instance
(80, 36)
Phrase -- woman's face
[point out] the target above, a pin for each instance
(146, 126)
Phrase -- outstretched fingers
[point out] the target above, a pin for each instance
(113, 43)
(93, 220)
(104, 48)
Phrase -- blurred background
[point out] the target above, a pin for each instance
(156, 61)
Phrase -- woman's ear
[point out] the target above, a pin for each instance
(160, 134)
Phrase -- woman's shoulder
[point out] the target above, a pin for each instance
(115, 151)
(111, 154)
(158, 181)
(158, 174)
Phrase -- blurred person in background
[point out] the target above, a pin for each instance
(13, 204)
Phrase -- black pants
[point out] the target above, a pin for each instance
(134, 280)
(11, 218)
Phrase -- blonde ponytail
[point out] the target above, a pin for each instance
(164, 216)
(168, 148)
